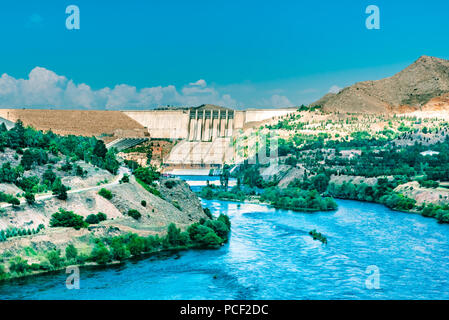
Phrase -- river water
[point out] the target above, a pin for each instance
(271, 256)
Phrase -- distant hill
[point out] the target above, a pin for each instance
(424, 85)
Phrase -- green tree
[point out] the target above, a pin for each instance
(100, 149)
(100, 254)
(71, 253)
(30, 198)
(54, 257)
(68, 219)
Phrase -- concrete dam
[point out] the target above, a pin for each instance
(202, 135)
(205, 133)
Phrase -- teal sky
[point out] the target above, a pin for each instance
(140, 54)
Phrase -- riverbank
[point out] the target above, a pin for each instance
(207, 234)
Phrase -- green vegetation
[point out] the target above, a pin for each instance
(133, 213)
(16, 232)
(105, 193)
(297, 199)
(207, 234)
(9, 199)
(381, 192)
(36, 148)
(318, 236)
(96, 218)
(67, 219)
(124, 179)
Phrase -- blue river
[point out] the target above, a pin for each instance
(270, 255)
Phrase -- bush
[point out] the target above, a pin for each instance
(119, 250)
(125, 178)
(3, 273)
(100, 254)
(19, 265)
(30, 197)
(318, 236)
(54, 257)
(67, 219)
(219, 227)
(136, 245)
(203, 236)
(102, 216)
(175, 238)
(92, 219)
(71, 253)
(143, 203)
(133, 213)
(4, 197)
(170, 184)
(147, 175)
(105, 193)
(208, 213)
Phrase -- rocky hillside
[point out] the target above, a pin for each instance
(424, 85)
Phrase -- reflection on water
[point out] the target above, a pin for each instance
(271, 256)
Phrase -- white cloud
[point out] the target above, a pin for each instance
(200, 83)
(335, 89)
(278, 101)
(44, 88)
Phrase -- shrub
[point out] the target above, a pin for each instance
(3, 273)
(68, 219)
(54, 257)
(219, 227)
(15, 202)
(30, 197)
(147, 175)
(92, 219)
(170, 184)
(177, 205)
(118, 250)
(18, 265)
(318, 236)
(125, 178)
(136, 245)
(71, 253)
(105, 193)
(208, 213)
(175, 238)
(102, 216)
(143, 203)
(82, 258)
(203, 236)
(133, 213)
(100, 254)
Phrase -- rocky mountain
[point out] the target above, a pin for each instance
(424, 85)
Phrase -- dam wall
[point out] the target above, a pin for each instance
(204, 123)
(163, 124)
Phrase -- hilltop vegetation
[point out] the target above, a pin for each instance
(30, 159)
